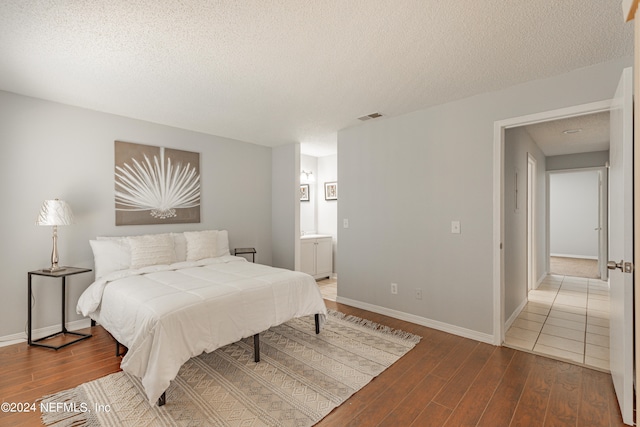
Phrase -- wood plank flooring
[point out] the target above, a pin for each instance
(445, 380)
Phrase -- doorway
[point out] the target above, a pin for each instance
(620, 242)
(508, 200)
(559, 315)
(318, 221)
(577, 204)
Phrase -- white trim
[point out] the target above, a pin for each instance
(434, 324)
(43, 332)
(532, 256)
(499, 127)
(515, 314)
(575, 256)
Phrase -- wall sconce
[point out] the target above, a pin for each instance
(306, 176)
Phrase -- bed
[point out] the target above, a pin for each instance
(170, 297)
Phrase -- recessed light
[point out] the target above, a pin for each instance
(570, 131)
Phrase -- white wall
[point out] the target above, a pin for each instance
(404, 179)
(50, 150)
(573, 214)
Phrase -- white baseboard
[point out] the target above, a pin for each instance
(43, 332)
(540, 280)
(575, 256)
(434, 324)
(515, 315)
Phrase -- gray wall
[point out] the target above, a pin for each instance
(309, 210)
(404, 179)
(50, 150)
(573, 213)
(286, 205)
(328, 209)
(516, 146)
(574, 161)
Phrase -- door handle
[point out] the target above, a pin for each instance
(625, 267)
(612, 265)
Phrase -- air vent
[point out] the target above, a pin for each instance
(370, 116)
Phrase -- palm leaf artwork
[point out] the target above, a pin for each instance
(157, 185)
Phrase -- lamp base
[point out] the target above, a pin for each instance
(53, 269)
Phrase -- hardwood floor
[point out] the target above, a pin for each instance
(445, 380)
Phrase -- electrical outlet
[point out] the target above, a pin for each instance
(345, 223)
(455, 227)
(394, 288)
(418, 293)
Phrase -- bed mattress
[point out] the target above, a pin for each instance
(166, 314)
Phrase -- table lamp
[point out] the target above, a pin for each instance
(55, 212)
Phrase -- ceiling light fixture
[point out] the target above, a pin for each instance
(570, 131)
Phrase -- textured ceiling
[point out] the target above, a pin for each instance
(585, 134)
(272, 72)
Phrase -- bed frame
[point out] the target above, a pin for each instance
(256, 352)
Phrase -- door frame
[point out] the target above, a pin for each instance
(499, 128)
(532, 259)
(602, 212)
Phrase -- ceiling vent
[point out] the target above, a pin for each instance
(370, 116)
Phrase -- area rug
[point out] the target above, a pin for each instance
(300, 378)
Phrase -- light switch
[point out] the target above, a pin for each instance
(455, 227)
(345, 223)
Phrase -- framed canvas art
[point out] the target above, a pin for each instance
(156, 185)
(331, 191)
(304, 192)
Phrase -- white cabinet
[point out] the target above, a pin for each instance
(316, 256)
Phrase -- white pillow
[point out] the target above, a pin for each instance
(109, 256)
(223, 243)
(151, 249)
(201, 244)
(179, 246)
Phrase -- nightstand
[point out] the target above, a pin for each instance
(246, 251)
(62, 274)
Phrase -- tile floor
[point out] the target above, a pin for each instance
(567, 318)
(328, 288)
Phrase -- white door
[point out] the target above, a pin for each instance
(621, 244)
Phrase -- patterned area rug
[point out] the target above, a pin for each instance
(301, 377)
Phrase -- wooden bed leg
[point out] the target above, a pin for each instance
(317, 316)
(256, 348)
(162, 399)
(93, 323)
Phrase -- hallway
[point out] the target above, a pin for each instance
(566, 318)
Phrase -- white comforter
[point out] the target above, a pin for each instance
(167, 314)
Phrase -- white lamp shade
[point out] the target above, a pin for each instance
(55, 212)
